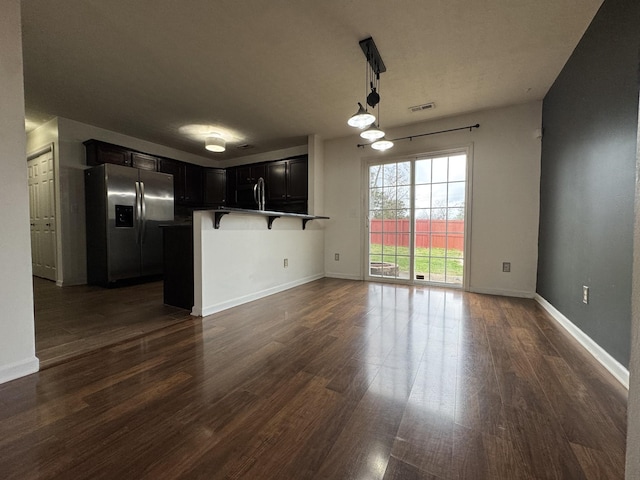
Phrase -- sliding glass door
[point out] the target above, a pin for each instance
(416, 219)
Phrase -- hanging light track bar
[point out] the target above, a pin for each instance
(411, 137)
(370, 50)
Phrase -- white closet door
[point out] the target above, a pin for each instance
(42, 212)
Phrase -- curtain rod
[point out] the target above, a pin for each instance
(411, 137)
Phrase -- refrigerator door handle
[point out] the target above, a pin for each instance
(138, 213)
(143, 218)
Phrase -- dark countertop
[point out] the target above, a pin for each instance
(270, 215)
(176, 225)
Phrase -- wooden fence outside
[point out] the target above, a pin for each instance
(429, 233)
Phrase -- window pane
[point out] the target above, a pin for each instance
(402, 266)
(457, 168)
(376, 196)
(375, 224)
(404, 174)
(455, 245)
(438, 241)
(421, 267)
(423, 214)
(456, 214)
(456, 194)
(375, 176)
(388, 198)
(404, 225)
(423, 196)
(423, 171)
(422, 242)
(439, 170)
(390, 174)
(403, 197)
(454, 271)
(439, 195)
(437, 270)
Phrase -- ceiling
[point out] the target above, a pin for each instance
(269, 73)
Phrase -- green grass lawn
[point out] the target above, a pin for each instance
(425, 258)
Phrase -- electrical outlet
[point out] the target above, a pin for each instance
(286, 262)
(585, 294)
(336, 257)
(506, 267)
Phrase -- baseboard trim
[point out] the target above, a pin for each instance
(502, 293)
(600, 354)
(219, 307)
(343, 276)
(19, 369)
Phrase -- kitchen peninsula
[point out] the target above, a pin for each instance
(241, 255)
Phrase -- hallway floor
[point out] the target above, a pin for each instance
(73, 321)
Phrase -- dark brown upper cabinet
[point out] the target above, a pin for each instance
(286, 184)
(249, 174)
(215, 180)
(297, 179)
(287, 180)
(276, 181)
(98, 152)
(194, 184)
(188, 181)
(144, 161)
(175, 168)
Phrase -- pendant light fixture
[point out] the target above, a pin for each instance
(382, 144)
(372, 133)
(361, 119)
(374, 66)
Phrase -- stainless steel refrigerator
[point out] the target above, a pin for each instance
(124, 208)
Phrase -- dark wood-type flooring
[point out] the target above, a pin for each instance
(331, 380)
(72, 321)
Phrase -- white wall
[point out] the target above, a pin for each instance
(244, 260)
(315, 203)
(505, 199)
(17, 345)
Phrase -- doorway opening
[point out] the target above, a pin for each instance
(417, 219)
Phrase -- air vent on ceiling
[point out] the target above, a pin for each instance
(424, 106)
(244, 146)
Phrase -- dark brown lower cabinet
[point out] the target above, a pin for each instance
(177, 252)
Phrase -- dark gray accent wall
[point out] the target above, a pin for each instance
(590, 121)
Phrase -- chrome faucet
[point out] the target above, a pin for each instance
(258, 193)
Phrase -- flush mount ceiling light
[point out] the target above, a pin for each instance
(222, 136)
(215, 143)
(374, 67)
